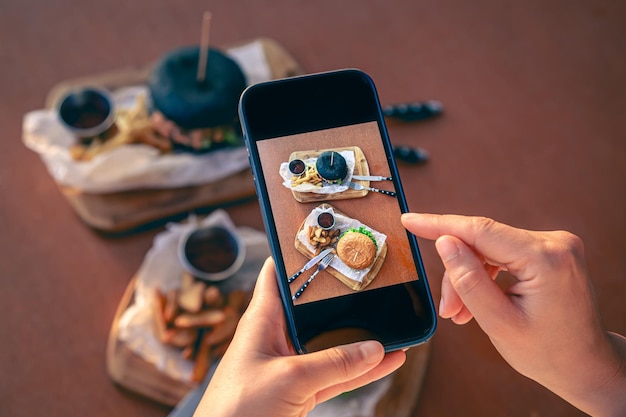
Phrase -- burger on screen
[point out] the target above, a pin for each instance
(357, 248)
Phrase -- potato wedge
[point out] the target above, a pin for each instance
(191, 297)
(205, 318)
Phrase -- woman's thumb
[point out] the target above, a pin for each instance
(340, 364)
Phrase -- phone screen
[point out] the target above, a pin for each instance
(328, 184)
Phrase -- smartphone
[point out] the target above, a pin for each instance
(327, 182)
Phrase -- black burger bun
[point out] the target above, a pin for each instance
(331, 166)
(177, 94)
(356, 250)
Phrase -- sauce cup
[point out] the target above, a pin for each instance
(212, 253)
(297, 166)
(88, 112)
(326, 220)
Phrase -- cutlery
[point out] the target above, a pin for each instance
(309, 264)
(357, 186)
(322, 266)
(411, 112)
(371, 178)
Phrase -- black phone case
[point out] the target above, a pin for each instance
(316, 102)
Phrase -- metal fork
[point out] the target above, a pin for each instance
(322, 265)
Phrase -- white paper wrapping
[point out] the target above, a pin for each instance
(310, 188)
(342, 223)
(162, 269)
(137, 166)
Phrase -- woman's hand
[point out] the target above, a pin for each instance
(545, 324)
(260, 374)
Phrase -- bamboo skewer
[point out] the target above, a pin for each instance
(204, 47)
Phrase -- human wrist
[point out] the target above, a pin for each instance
(598, 386)
(615, 389)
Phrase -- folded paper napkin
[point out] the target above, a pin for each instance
(137, 166)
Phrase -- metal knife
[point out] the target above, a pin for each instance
(310, 264)
(371, 178)
(357, 186)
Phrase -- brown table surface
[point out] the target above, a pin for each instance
(533, 134)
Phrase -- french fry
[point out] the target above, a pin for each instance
(77, 151)
(180, 337)
(158, 307)
(191, 297)
(201, 333)
(225, 330)
(187, 352)
(310, 176)
(97, 147)
(171, 306)
(134, 126)
(202, 361)
(146, 135)
(212, 296)
(320, 239)
(205, 318)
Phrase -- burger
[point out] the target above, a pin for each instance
(332, 167)
(196, 114)
(357, 248)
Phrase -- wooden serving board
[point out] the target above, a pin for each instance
(132, 372)
(360, 168)
(123, 211)
(350, 283)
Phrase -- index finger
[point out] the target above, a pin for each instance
(498, 243)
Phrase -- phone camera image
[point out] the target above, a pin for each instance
(331, 198)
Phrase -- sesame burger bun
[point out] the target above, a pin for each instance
(356, 249)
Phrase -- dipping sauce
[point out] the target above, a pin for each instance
(212, 249)
(326, 220)
(87, 112)
(297, 166)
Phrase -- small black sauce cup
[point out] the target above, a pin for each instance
(326, 220)
(297, 166)
(213, 253)
(88, 113)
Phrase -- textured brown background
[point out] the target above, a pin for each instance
(533, 135)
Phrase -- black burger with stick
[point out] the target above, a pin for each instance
(195, 91)
(332, 167)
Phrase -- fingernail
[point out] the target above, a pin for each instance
(442, 306)
(447, 248)
(370, 351)
(407, 217)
